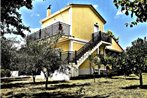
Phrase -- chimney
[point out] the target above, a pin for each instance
(49, 10)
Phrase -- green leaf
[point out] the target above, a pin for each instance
(127, 13)
(132, 15)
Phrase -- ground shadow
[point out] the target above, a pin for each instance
(11, 85)
(98, 96)
(131, 78)
(135, 87)
(7, 80)
(5, 86)
(56, 95)
(63, 86)
(47, 95)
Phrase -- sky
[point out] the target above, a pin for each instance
(115, 18)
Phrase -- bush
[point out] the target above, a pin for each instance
(5, 73)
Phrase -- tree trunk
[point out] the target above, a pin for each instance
(90, 69)
(33, 76)
(140, 79)
(99, 72)
(46, 83)
(94, 75)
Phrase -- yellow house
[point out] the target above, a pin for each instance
(83, 29)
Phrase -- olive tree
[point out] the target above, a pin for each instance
(41, 55)
(137, 57)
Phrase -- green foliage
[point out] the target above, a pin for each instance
(8, 53)
(5, 73)
(40, 55)
(134, 7)
(11, 21)
(137, 55)
(110, 33)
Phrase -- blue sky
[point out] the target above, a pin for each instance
(115, 19)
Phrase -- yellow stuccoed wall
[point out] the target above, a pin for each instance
(83, 20)
(62, 16)
(115, 46)
(63, 45)
(77, 46)
(85, 65)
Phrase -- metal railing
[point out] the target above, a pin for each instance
(96, 38)
(50, 31)
(73, 56)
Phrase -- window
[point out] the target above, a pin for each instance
(96, 27)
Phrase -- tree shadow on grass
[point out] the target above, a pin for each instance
(56, 95)
(132, 78)
(47, 95)
(63, 86)
(11, 85)
(135, 87)
(98, 96)
(7, 80)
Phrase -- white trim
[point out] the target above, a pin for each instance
(51, 23)
(78, 40)
(70, 20)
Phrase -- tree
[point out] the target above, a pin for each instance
(8, 54)
(133, 7)
(97, 62)
(41, 55)
(110, 33)
(94, 61)
(137, 55)
(107, 60)
(90, 58)
(11, 21)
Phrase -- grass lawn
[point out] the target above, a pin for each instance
(116, 87)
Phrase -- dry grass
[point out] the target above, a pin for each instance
(117, 87)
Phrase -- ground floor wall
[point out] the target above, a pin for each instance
(64, 45)
(77, 45)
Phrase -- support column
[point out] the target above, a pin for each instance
(98, 52)
(70, 45)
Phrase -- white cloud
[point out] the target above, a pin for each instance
(119, 12)
(38, 15)
(34, 29)
(95, 6)
(34, 14)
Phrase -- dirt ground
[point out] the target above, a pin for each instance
(115, 87)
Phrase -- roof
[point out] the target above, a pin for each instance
(70, 5)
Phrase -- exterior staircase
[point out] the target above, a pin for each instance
(76, 58)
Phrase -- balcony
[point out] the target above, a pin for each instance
(101, 36)
(58, 27)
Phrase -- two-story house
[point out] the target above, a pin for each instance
(83, 29)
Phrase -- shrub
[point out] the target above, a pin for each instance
(5, 73)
